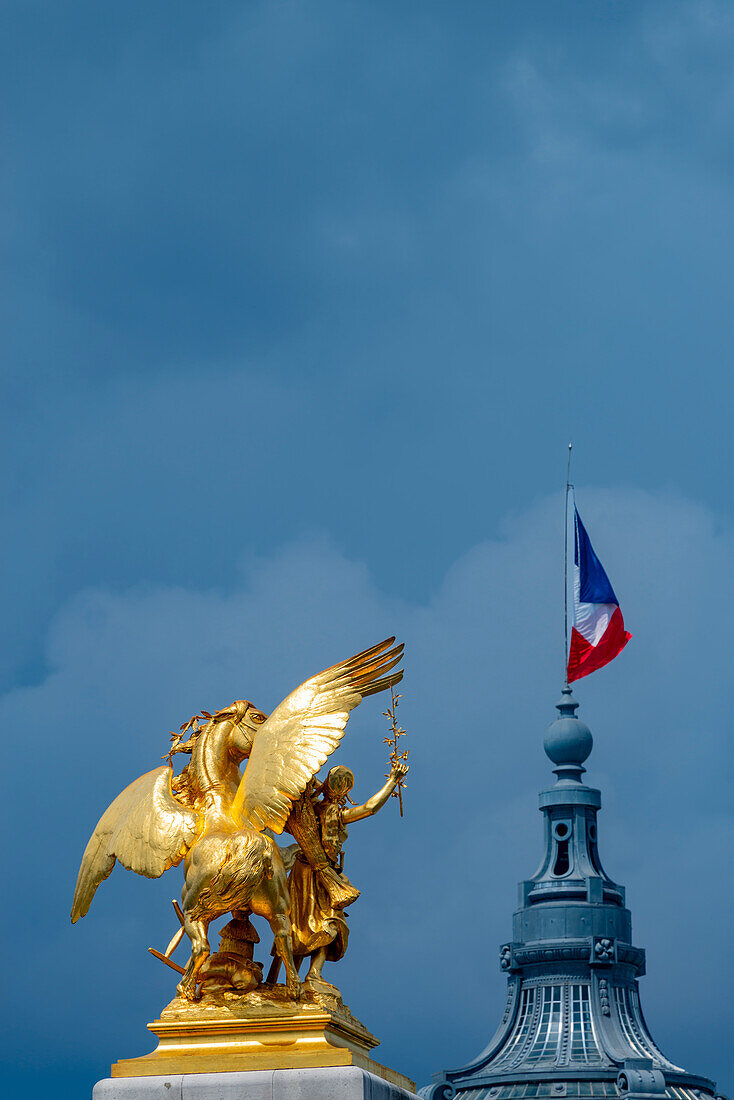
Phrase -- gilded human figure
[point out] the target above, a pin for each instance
(318, 926)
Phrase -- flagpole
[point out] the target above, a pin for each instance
(565, 570)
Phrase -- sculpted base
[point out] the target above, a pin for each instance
(338, 1083)
(260, 1031)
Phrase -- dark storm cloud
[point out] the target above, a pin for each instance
(448, 231)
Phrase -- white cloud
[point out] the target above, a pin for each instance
(482, 672)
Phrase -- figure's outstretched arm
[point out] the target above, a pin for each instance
(372, 805)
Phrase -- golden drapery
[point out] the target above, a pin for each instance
(314, 922)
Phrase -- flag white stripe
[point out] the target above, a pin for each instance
(590, 619)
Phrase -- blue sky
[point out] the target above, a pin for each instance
(303, 304)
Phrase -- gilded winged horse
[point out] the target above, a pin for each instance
(215, 819)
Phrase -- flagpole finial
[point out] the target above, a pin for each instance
(568, 740)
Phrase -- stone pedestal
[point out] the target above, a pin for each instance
(335, 1083)
(228, 1041)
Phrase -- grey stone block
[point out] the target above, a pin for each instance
(131, 1088)
(336, 1083)
(254, 1085)
(332, 1083)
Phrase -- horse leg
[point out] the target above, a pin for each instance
(276, 964)
(197, 931)
(272, 901)
(281, 928)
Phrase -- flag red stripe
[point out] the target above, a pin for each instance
(584, 658)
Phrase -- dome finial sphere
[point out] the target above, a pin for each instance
(568, 740)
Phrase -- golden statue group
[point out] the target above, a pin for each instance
(222, 823)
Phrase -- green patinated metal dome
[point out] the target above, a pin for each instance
(572, 1024)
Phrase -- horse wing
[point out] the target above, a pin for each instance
(145, 828)
(293, 743)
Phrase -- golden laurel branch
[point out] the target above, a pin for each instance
(395, 753)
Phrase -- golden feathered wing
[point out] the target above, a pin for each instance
(145, 828)
(303, 731)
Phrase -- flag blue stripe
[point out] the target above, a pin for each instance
(594, 583)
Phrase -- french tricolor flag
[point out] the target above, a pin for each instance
(598, 633)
